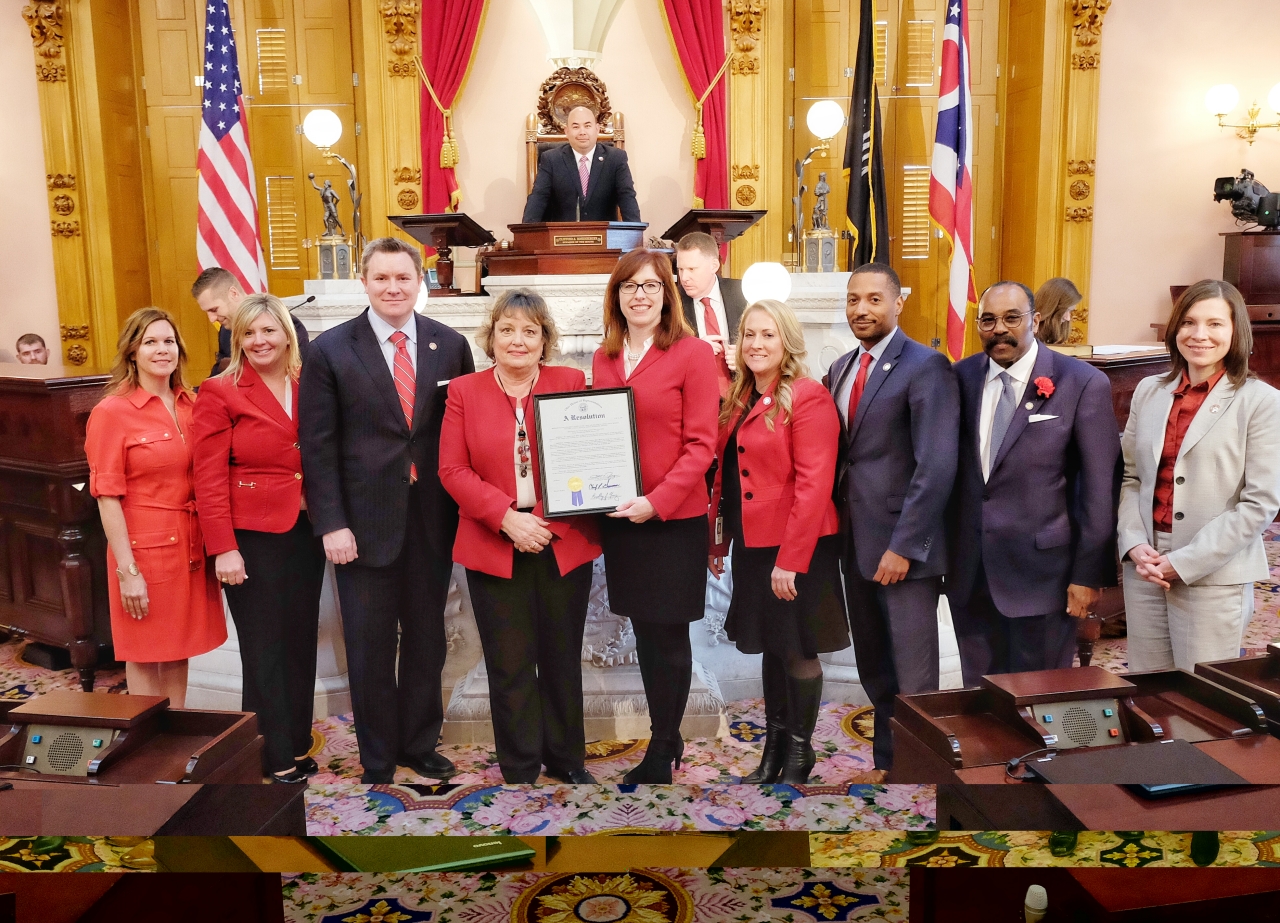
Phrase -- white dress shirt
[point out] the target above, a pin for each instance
(717, 305)
(1020, 372)
(382, 330)
(846, 386)
(627, 364)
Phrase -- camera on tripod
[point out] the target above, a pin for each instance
(1250, 200)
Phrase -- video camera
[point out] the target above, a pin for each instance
(1250, 200)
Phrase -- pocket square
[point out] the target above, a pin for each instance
(1041, 417)
(441, 384)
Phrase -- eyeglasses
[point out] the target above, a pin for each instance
(1011, 321)
(650, 288)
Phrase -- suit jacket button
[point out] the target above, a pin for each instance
(1177, 515)
(296, 446)
(1180, 480)
(986, 497)
(404, 480)
(297, 476)
(746, 473)
(747, 495)
(741, 449)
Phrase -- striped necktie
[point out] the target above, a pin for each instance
(406, 384)
(584, 173)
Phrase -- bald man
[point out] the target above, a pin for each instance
(582, 180)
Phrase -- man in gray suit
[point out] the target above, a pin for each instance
(900, 408)
(1032, 518)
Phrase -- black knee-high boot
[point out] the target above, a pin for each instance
(666, 668)
(804, 700)
(774, 678)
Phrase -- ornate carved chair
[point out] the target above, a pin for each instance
(566, 89)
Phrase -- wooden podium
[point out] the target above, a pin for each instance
(443, 232)
(1251, 262)
(723, 224)
(565, 248)
(53, 559)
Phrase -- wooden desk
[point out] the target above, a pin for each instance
(35, 808)
(1256, 677)
(53, 559)
(979, 895)
(1124, 372)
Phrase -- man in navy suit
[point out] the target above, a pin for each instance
(1032, 519)
(370, 406)
(900, 406)
(582, 180)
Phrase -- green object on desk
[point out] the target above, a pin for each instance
(422, 853)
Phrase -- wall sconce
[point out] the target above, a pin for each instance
(323, 128)
(1223, 98)
(766, 280)
(825, 119)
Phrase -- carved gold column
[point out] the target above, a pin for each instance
(390, 147)
(1081, 142)
(756, 101)
(84, 342)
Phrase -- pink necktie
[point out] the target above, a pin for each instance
(406, 384)
(713, 330)
(584, 173)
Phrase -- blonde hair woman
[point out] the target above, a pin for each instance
(772, 500)
(252, 501)
(165, 604)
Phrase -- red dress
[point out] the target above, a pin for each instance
(136, 453)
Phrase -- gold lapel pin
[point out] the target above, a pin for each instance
(887, 366)
(432, 345)
(1030, 405)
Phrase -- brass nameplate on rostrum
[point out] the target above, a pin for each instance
(577, 240)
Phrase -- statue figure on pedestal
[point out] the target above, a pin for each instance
(820, 192)
(329, 197)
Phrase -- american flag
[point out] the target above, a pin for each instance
(227, 223)
(951, 178)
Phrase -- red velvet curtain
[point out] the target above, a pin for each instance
(449, 32)
(697, 31)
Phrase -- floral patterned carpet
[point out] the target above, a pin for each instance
(1027, 849)
(77, 854)
(640, 895)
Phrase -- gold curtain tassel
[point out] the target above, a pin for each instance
(699, 137)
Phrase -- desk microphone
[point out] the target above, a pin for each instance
(1036, 904)
(577, 207)
(307, 300)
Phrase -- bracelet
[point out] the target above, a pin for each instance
(133, 569)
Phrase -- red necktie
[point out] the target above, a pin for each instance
(713, 330)
(859, 383)
(406, 384)
(584, 173)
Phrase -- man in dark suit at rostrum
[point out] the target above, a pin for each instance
(370, 407)
(899, 406)
(1032, 518)
(712, 305)
(582, 180)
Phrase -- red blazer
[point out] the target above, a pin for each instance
(477, 468)
(786, 474)
(248, 467)
(677, 400)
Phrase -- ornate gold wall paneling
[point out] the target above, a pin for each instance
(388, 104)
(757, 109)
(83, 56)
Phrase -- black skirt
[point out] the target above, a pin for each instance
(657, 570)
(813, 623)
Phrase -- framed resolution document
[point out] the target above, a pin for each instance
(587, 453)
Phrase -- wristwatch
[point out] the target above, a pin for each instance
(133, 569)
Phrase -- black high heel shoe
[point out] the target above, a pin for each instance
(804, 701)
(307, 766)
(661, 758)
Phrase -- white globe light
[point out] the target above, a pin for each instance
(825, 119)
(1273, 98)
(766, 280)
(1221, 99)
(322, 127)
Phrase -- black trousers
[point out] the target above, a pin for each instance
(895, 644)
(396, 700)
(991, 642)
(277, 614)
(531, 632)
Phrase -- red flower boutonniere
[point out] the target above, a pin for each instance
(1044, 386)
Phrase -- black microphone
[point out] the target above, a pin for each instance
(307, 300)
(577, 207)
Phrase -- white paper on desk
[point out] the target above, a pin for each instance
(1121, 350)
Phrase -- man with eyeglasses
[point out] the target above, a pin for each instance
(1032, 517)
